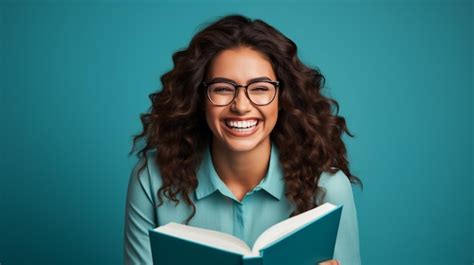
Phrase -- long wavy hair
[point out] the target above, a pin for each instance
(308, 132)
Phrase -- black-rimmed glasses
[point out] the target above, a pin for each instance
(222, 93)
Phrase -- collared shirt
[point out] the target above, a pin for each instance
(218, 209)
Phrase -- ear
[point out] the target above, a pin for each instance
(279, 102)
(202, 101)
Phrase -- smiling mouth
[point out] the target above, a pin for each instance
(242, 126)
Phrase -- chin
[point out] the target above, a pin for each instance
(241, 145)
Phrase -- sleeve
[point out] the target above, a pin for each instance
(139, 217)
(339, 191)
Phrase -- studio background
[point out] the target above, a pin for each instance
(75, 76)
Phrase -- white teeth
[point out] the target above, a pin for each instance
(241, 124)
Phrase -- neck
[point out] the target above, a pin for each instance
(241, 170)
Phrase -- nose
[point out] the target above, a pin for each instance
(241, 103)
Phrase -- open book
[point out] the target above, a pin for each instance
(307, 238)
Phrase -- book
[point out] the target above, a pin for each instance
(304, 239)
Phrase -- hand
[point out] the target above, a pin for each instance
(330, 262)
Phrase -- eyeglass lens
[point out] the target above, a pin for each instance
(260, 93)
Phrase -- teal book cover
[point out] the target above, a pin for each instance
(304, 239)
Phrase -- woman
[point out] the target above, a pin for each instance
(239, 138)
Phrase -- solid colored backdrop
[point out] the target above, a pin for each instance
(75, 75)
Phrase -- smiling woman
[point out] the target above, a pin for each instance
(241, 129)
(242, 135)
(227, 122)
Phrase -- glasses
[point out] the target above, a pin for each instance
(222, 93)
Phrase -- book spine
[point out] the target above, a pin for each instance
(252, 261)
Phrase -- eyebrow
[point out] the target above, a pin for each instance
(219, 79)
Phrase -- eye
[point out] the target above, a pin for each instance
(260, 88)
(221, 88)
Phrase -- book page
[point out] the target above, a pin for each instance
(206, 237)
(289, 225)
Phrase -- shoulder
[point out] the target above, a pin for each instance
(337, 187)
(338, 180)
(145, 174)
(338, 191)
(143, 167)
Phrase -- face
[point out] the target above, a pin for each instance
(240, 65)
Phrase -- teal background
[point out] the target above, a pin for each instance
(75, 75)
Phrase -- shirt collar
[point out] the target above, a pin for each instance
(208, 180)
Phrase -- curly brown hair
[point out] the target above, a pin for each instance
(307, 134)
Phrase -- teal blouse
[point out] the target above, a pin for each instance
(218, 209)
